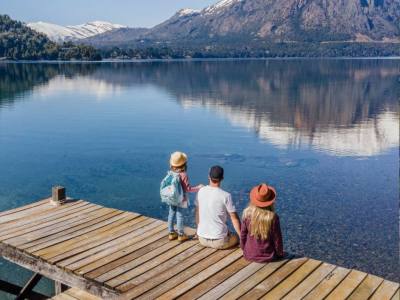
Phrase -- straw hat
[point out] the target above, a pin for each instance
(262, 195)
(178, 159)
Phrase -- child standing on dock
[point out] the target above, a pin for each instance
(173, 191)
(261, 237)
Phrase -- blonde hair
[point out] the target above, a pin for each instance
(260, 220)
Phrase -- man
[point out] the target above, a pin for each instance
(213, 205)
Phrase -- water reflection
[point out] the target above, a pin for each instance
(342, 107)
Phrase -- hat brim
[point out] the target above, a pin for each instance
(174, 164)
(268, 202)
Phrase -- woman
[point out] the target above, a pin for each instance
(261, 237)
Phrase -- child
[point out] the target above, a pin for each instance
(178, 164)
(261, 237)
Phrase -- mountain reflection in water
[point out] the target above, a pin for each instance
(342, 107)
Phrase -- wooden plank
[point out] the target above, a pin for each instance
(56, 222)
(100, 259)
(33, 240)
(42, 214)
(115, 231)
(25, 207)
(248, 283)
(293, 280)
(25, 212)
(203, 275)
(23, 236)
(90, 256)
(64, 296)
(310, 282)
(92, 225)
(144, 263)
(215, 280)
(179, 273)
(125, 259)
(50, 271)
(347, 286)
(51, 251)
(327, 284)
(81, 295)
(366, 288)
(385, 291)
(170, 264)
(396, 295)
(270, 282)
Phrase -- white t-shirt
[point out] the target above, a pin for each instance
(214, 204)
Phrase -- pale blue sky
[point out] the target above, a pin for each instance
(135, 13)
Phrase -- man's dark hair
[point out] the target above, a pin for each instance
(216, 174)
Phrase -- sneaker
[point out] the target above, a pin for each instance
(172, 236)
(182, 238)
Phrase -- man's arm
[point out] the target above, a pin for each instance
(236, 222)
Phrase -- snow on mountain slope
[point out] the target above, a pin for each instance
(60, 33)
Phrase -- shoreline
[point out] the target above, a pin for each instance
(5, 61)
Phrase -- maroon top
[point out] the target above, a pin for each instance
(261, 250)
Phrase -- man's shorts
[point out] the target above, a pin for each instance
(229, 241)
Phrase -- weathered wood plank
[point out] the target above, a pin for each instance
(215, 280)
(114, 231)
(25, 207)
(327, 284)
(170, 264)
(81, 295)
(50, 271)
(144, 263)
(270, 282)
(54, 250)
(93, 225)
(116, 252)
(56, 222)
(396, 295)
(34, 240)
(366, 288)
(248, 283)
(310, 282)
(179, 273)
(293, 280)
(41, 215)
(385, 291)
(78, 261)
(203, 275)
(85, 215)
(64, 296)
(347, 286)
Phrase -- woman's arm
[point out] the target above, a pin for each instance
(277, 236)
(243, 234)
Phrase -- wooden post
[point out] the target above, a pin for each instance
(58, 195)
(59, 287)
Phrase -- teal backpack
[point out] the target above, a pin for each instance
(171, 191)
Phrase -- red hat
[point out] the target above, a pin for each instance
(262, 195)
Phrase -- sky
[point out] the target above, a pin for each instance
(134, 13)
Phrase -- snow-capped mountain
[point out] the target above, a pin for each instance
(60, 33)
(265, 21)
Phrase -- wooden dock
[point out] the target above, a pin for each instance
(114, 254)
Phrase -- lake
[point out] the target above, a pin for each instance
(325, 133)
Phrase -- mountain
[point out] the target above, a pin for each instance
(253, 22)
(19, 42)
(58, 33)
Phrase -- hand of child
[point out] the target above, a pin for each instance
(200, 186)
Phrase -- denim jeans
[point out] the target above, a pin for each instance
(174, 210)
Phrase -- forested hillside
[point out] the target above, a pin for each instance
(19, 42)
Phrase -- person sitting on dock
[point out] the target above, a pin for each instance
(213, 205)
(261, 237)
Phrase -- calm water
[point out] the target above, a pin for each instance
(324, 132)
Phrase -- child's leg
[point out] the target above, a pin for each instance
(179, 220)
(171, 217)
